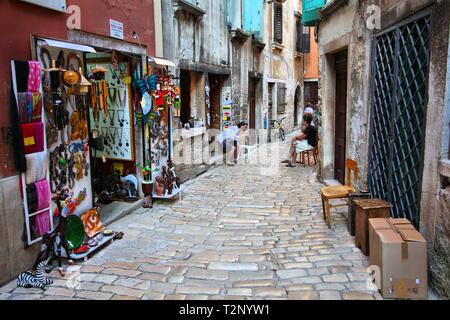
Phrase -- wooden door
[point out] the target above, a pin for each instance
(252, 110)
(185, 87)
(340, 116)
(215, 84)
(252, 104)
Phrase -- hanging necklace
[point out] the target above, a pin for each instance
(122, 97)
(113, 96)
(121, 138)
(105, 135)
(113, 136)
(121, 118)
(112, 117)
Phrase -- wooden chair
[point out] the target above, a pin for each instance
(340, 192)
(311, 154)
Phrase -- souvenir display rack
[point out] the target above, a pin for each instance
(111, 114)
(68, 149)
(165, 101)
(27, 214)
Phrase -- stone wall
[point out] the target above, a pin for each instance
(345, 29)
(14, 257)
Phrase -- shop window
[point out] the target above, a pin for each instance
(281, 98)
(278, 23)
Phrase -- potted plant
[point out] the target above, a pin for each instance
(147, 182)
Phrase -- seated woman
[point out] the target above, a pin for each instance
(304, 142)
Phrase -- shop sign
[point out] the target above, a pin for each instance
(58, 5)
(116, 29)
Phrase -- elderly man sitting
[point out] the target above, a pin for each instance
(303, 142)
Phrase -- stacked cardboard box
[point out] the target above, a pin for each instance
(400, 252)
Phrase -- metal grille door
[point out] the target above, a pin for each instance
(399, 97)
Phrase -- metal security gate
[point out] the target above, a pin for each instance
(400, 70)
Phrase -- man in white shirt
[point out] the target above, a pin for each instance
(229, 139)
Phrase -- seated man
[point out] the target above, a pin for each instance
(304, 142)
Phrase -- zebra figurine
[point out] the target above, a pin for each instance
(38, 280)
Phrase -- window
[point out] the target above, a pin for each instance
(303, 38)
(281, 98)
(278, 23)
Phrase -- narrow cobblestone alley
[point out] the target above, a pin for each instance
(237, 234)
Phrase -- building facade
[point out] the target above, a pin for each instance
(283, 63)
(72, 23)
(383, 94)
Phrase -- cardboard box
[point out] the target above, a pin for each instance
(401, 253)
(375, 225)
(365, 210)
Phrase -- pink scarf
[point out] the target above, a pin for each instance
(34, 76)
(43, 193)
(42, 223)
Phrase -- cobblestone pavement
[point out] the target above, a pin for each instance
(237, 234)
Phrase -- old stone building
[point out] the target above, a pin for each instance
(383, 97)
(246, 25)
(283, 62)
(236, 60)
(196, 39)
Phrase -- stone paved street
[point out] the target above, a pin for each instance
(237, 234)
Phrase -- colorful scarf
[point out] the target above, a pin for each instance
(43, 194)
(33, 137)
(34, 76)
(25, 106)
(32, 198)
(42, 223)
(37, 107)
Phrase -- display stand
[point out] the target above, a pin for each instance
(176, 191)
(27, 214)
(85, 256)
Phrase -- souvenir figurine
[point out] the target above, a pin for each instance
(159, 98)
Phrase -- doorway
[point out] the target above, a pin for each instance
(215, 84)
(253, 82)
(340, 116)
(185, 87)
(399, 106)
(297, 102)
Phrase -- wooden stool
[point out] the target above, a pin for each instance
(365, 210)
(351, 218)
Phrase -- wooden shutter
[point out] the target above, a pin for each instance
(299, 41)
(281, 98)
(278, 23)
(306, 40)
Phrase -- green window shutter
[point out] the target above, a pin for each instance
(310, 11)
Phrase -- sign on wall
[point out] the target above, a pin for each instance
(116, 29)
(227, 108)
(58, 5)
